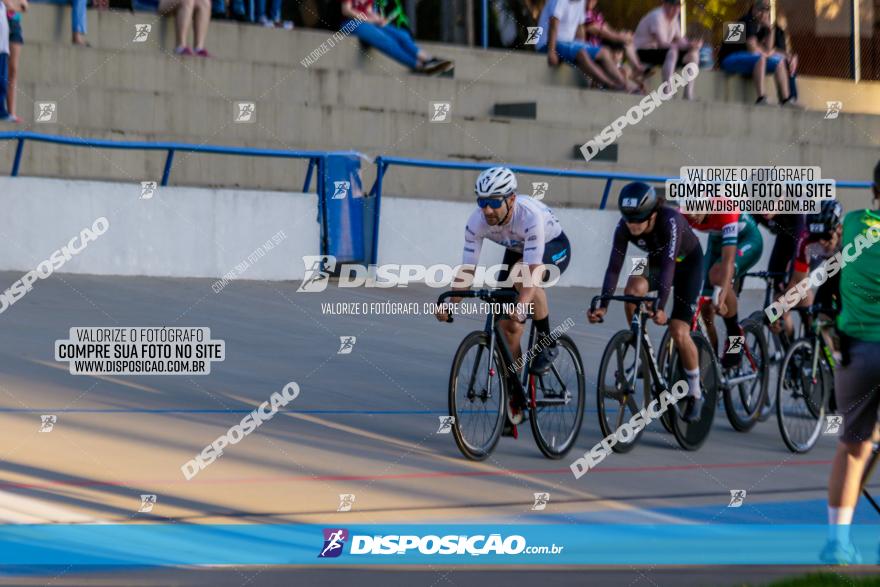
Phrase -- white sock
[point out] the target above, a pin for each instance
(693, 379)
(839, 523)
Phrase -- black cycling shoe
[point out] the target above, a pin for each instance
(734, 359)
(509, 429)
(544, 360)
(694, 409)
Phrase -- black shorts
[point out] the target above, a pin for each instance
(556, 252)
(857, 390)
(828, 296)
(781, 259)
(657, 57)
(15, 34)
(687, 283)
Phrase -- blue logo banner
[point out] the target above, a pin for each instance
(485, 544)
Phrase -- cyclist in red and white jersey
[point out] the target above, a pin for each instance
(735, 245)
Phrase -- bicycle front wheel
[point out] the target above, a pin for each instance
(691, 435)
(744, 401)
(618, 393)
(556, 401)
(800, 401)
(477, 392)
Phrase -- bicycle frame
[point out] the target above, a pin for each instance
(698, 324)
(639, 328)
(524, 381)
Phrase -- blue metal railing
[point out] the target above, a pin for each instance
(315, 157)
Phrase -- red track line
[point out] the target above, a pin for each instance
(426, 475)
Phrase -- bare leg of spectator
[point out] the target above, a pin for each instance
(758, 75)
(633, 57)
(202, 9)
(183, 13)
(605, 59)
(693, 56)
(12, 77)
(589, 68)
(670, 63)
(782, 80)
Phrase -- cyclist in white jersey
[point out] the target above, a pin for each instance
(531, 235)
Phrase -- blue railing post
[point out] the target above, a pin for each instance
(605, 194)
(381, 166)
(169, 160)
(485, 24)
(17, 161)
(309, 171)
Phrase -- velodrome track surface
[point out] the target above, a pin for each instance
(364, 423)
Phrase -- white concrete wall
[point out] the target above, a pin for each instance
(197, 232)
(180, 232)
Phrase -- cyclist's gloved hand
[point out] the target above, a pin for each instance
(596, 315)
(659, 317)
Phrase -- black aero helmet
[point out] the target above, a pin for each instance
(827, 219)
(637, 201)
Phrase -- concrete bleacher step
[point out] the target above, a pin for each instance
(363, 101)
(151, 71)
(85, 110)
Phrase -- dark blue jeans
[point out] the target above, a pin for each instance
(394, 42)
(4, 79)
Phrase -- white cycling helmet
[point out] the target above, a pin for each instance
(495, 181)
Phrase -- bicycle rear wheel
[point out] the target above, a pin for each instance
(691, 435)
(743, 402)
(800, 401)
(617, 400)
(556, 401)
(477, 396)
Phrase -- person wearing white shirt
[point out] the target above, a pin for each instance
(563, 38)
(659, 41)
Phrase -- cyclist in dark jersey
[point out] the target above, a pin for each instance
(788, 229)
(821, 239)
(675, 262)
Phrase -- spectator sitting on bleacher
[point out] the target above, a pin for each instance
(658, 41)
(273, 17)
(15, 42)
(187, 13)
(759, 56)
(16, 6)
(563, 39)
(618, 42)
(393, 41)
(784, 48)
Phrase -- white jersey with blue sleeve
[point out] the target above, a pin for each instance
(531, 226)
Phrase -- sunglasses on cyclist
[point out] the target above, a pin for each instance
(493, 202)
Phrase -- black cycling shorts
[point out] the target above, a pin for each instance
(556, 252)
(687, 284)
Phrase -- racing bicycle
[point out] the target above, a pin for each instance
(486, 389)
(778, 341)
(806, 387)
(744, 389)
(630, 378)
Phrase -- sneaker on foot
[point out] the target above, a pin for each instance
(840, 553)
(694, 409)
(184, 50)
(732, 360)
(544, 360)
(203, 53)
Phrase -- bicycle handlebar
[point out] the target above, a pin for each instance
(624, 298)
(487, 295)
